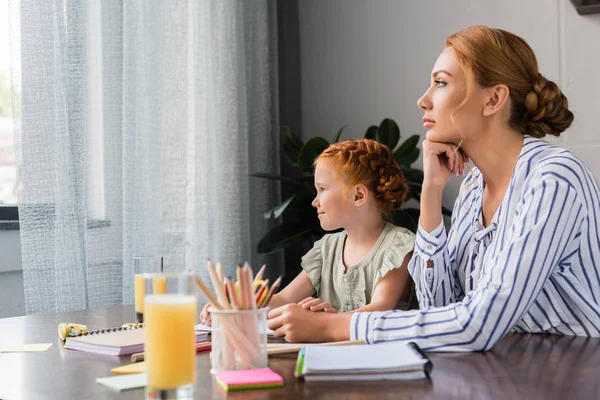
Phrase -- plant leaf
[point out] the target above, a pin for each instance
(371, 132)
(292, 145)
(276, 212)
(407, 146)
(283, 179)
(413, 175)
(337, 135)
(282, 237)
(415, 190)
(406, 160)
(310, 151)
(388, 133)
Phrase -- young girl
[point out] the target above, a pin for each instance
(524, 244)
(363, 267)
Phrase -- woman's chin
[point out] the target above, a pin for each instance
(435, 136)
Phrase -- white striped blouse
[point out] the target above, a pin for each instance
(533, 269)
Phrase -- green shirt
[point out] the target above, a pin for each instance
(352, 289)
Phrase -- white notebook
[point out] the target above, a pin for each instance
(385, 361)
(115, 342)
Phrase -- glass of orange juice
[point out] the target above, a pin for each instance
(169, 350)
(145, 265)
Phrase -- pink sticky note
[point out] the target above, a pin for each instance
(248, 379)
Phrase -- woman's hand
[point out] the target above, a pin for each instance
(205, 315)
(312, 304)
(440, 162)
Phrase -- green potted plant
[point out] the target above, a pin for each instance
(302, 155)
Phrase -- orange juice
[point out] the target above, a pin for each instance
(159, 285)
(170, 339)
(139, 288)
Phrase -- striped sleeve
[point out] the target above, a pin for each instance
(435, 286)
(548, 220)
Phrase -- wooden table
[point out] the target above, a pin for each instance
(519, 366)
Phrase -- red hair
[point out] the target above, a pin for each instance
(370, 163)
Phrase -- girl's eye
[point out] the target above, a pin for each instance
(440, 83)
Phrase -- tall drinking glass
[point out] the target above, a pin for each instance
(144, 265)
(169, 350)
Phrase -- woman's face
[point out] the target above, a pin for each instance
(446, 91)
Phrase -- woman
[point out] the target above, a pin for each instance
(523, 246)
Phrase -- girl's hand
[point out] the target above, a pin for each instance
(440, 162)
(312, 304)
(205, 315)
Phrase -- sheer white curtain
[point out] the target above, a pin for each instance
(141, 120)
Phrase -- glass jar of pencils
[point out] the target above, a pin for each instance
(239, 339)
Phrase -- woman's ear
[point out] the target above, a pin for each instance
(361, 195)
(496, 97)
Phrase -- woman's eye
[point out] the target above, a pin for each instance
(440, 83)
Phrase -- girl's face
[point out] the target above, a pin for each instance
(448, 88)
(331, 200)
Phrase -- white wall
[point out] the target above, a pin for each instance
(362, 61)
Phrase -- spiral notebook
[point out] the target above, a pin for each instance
(115, 341)
(385, 361)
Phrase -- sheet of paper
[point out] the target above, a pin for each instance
(26, 348)
(135, 368)
(123, 382)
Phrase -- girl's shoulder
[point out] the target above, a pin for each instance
(399, 235)
(398, 244)
(329, 240)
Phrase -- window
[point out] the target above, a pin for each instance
(8, 169)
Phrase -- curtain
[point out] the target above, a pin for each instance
(140, 121)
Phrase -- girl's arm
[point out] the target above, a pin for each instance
(389, 289)
(298, 289)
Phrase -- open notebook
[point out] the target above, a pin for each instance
(115, 342)
(385, 361)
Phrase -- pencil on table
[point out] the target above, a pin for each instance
(220, 272)
(241, 279)
(232, 294)
(247, 271)
(260, 273)
(218, 285)
(236, 339)
(261, 290)
(208, 294)
(271, 292)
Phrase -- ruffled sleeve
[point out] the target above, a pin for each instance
(402, 244)
(312, 263)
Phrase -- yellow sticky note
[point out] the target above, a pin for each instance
(135, 368)
(26, 348)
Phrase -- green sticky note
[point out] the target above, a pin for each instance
(26, 348)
